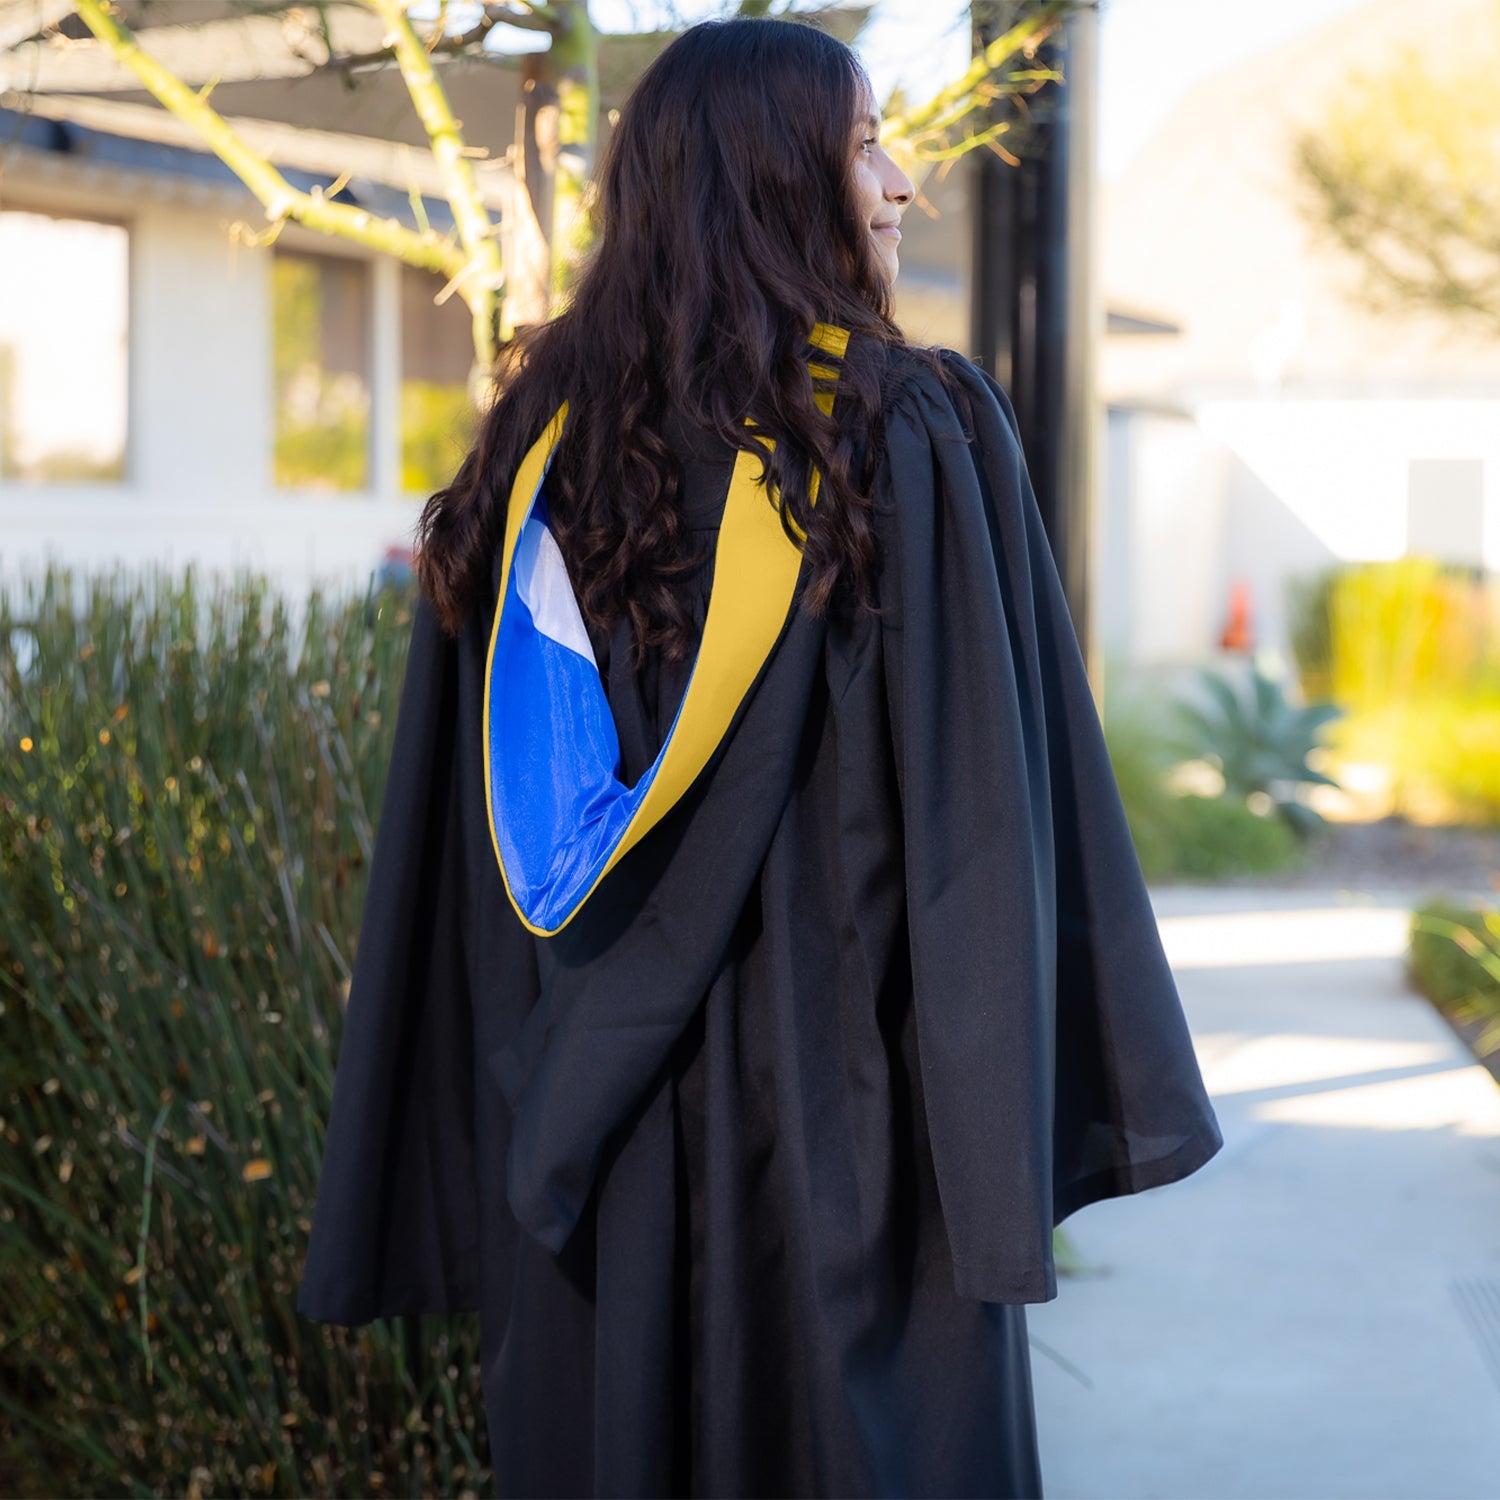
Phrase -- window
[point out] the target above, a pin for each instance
(438, 425)
(321, 368)
(64, 298)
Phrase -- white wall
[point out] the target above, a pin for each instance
(1161, 571)
(1268, 489)
(1342, 468)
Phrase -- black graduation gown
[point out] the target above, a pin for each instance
(751, 1169)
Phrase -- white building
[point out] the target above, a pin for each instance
(172, 391)
(1284, 427)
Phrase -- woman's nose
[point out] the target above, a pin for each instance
(899, 189)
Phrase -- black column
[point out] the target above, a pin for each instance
(1034, 314)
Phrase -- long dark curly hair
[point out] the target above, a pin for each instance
(725, 228)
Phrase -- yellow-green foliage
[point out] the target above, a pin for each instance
(1410, 629)
(1412, 650)
(329, 454)
(188, 793)
(1444, 753)
(322, 416)
(437, 427)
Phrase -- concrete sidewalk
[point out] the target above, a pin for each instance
(1316, 1312)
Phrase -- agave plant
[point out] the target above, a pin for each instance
(1259, 741)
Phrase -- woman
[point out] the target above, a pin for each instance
(756, 965)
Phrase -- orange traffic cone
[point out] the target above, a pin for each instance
(1238, 634)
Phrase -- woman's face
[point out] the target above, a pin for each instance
(881, 189)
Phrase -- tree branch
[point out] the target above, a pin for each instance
(522, 17)
(978, 85)
(485, 274)
(575, 63)
(280, 199)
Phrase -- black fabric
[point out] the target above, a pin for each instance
(751, 1170)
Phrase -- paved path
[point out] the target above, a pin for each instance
(1317, 1311)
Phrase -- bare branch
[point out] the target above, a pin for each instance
(279, 198)
(484, 274)
(522, 17)
(977, 85)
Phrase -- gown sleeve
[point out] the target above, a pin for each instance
(396, 1223)
(1056, 1059)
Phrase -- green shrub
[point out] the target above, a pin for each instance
(1453, 958)
(1141, 758)
(1310, 630)
(1179, 837)
(1219, 836)
(188, 790)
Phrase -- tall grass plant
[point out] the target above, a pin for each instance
(188, 792)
